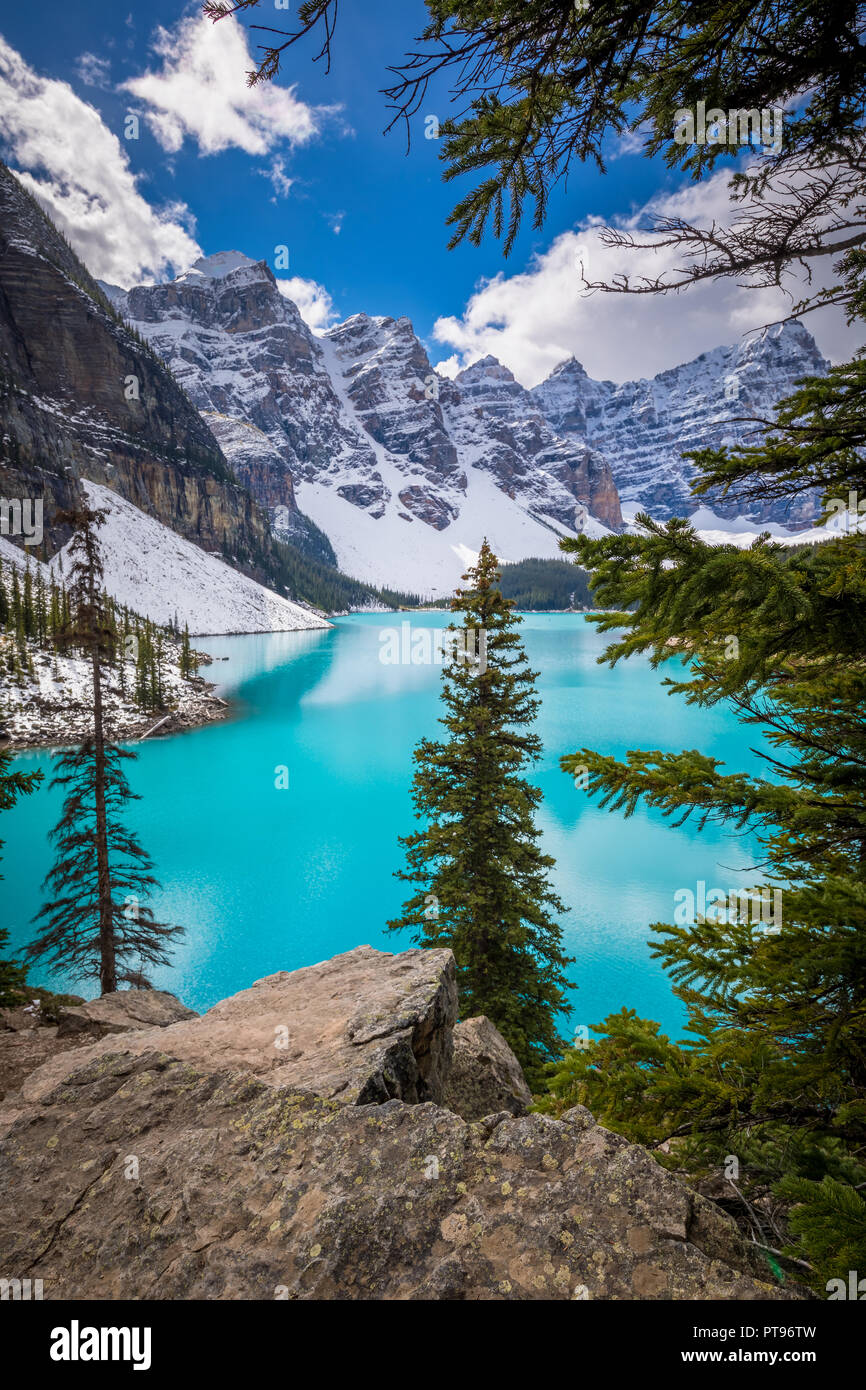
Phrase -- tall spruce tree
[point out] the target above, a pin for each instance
(775, 1072)
(482, 881)
(96, 918)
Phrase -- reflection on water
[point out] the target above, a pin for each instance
(266, 878)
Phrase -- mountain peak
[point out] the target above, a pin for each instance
(569, 367)
(485, 367)
(218, 265)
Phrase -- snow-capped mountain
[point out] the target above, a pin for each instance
(160, 575)
(642, 427)
(404, 470)
(82, 397)
(496, 415)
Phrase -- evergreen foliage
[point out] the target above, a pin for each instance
(13, 783)
(321, 586)
(12, 977)
(545, 586)
(96, 923)
(537, 85)
(481, 881)
(36, 617)
(774, 1071)
(96, 918)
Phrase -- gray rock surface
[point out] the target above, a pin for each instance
(644, 427)
(150, 1178)
(361, 1027)
(485, 1076)
(198, 1161)
(124, 1011)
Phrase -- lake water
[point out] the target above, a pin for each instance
(266, 879)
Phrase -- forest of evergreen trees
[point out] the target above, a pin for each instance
(34, 613)
(545, 585)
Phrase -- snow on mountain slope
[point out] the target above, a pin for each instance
(387, 551)
(159, 574)
(417, 517)
(642, 427)
(402, 473)
(404, 470)
(499, 427)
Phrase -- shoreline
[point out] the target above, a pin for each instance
(44, 724)
(53, 710)
(64, 726)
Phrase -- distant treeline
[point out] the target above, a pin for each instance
(535, 585)
(311, 581)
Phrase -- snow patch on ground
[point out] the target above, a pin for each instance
(158, 574)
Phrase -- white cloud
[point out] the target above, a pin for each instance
(627, 143)
(199, 90)
(93, 71)
(314, 303)
(279, 178)
(79, 170)
(535, 319)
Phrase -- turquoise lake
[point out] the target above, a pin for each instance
(266, 879)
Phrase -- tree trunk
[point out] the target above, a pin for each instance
(108, 965)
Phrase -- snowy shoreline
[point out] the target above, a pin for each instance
(57, 714)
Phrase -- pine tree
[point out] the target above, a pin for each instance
(482, 881)
(12, 977)
(96, 918)
(4, 602)
(775, 1070)
(97, 924)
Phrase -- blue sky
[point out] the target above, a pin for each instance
(308, 167)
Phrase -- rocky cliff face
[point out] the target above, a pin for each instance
(404, 470)
(82, 397)
(550, 471)
(302, 1140)
(644, 426)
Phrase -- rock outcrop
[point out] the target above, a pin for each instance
(82, 396)
(296, 1142)
(362, 1027)
(124, 1011)
(485, 1076)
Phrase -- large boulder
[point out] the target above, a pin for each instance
(486, 1077)
(142, 1177)
(362, 1027)
(295, 1142)
(123, 1011)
